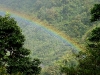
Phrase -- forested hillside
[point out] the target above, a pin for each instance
(69, 16)
(72, 17)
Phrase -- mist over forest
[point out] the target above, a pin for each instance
(70, 17)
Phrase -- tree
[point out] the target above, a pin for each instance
(95, 13)
(12, 53)
(68, 66)
(90, 62)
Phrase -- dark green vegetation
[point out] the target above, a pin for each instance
(89, 65)
(95, 12)
(89, 61)
(13, 56)
(71, 17)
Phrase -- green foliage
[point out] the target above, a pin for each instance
(68, 71)
(90, 59)
(13, 56)
(68, 64)
(95, 13)
(51, 70)
(95, 36)
(69, 16)
(89, 63)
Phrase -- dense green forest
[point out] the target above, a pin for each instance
(72, 17)
(69, 16)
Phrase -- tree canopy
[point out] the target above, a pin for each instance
(95, 13)
(13, 56)
(89, 65)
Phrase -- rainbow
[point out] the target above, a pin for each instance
(44, 25)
